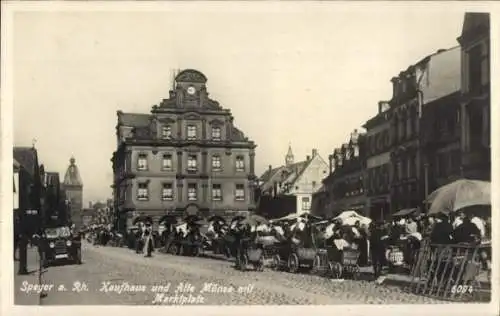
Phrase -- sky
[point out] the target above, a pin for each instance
(307, 75)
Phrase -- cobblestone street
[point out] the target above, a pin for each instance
(105, 269)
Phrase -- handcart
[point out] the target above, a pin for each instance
(330, 261)
(301, 257)
(258, 253)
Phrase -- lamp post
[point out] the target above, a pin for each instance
(426, 179)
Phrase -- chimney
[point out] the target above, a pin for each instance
(90, 204)
(314, 152)
(308, 158)
(270, 168)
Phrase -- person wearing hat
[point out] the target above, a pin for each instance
(442, 231)
(147, 236)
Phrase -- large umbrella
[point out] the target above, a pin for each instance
(168, 219)
(310, 217)
(217, 218)
(254, 220)
(406, 212)
(458, 195)
(142, 218)
(192, 218)
(238, 218)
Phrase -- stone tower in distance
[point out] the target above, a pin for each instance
(73, 187)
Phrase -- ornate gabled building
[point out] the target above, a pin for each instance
(475, 96)
(298, 179)
(73, 190)
(185, 157)
(344, 186)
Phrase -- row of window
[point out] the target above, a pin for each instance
(406, 168)
(405, 127)
(447, 163)
(167, 192)
(192, 163)
(192, 132)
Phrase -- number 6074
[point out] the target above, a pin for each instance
(461, 289)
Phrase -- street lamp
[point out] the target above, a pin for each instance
(426, 179)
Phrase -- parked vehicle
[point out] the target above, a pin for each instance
(61, 244)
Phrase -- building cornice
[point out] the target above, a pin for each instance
(186, 143)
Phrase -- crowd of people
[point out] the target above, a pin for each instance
(371, 238)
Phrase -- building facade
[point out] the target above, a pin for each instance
(406, 191)
(475, 96)
(344, 186)
(378, 163)
(73, 191)
(299, 179)
(185, 157)
(52, 197)
(440, 119)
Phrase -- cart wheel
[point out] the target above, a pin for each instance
(172, 249)
(276, 263)
(261, 264)
(293, 263)
(243, 262)
(335, 269)
(355, 273)
(316, 269)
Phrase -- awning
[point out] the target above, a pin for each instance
(405, 212)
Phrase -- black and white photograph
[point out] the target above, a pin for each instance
(199, 153)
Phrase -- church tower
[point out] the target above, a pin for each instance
(73, 187)
(289, 159)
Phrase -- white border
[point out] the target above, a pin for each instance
(6, 272)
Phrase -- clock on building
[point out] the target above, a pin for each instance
(191, 90)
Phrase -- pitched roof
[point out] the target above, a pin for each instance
(237, 135)
(72, 176)
(27, 158)
(133, 119)
(286, 174)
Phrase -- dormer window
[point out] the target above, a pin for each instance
(166, 132)
(216, 133)
(191, 132)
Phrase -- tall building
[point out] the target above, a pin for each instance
(73, 188)
(440, 119)
(299, 180)
(378, 163)
(185, 157)
(475, 96)
(344, 186)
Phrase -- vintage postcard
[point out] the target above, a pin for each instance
(232, 157)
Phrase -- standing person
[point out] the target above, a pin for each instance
(148, 240)
(459, 218)
(442, 231)
(467, 232)
(362, 240)
(377, 247)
